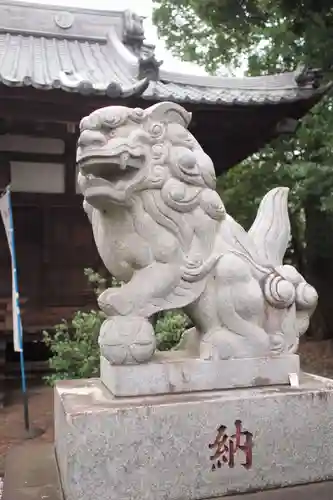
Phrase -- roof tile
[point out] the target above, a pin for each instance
(46, 62)
(75, 60)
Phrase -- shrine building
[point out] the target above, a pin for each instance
(57, 66)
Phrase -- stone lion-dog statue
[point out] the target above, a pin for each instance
(161, 228)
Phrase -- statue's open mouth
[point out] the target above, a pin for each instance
(105, 174)
(108, 166)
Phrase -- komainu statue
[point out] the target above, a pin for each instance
(162, 229)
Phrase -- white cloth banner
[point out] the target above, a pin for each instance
(5, 210)
(5, 214)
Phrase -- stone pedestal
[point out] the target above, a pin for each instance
(157, 447)
(174, 372)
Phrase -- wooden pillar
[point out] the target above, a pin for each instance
(70, 161)
(4, 171)
(4, 181)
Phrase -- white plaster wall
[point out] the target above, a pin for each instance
(29, 177)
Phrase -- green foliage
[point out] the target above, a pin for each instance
(74, 344)
(99, 282)
(169, 328)
(74, 347)
(269, 33)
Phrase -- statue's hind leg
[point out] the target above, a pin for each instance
(209, 339)
(230, 313)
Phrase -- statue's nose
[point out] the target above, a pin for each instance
(91, 138)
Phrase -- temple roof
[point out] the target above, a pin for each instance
(104, 53)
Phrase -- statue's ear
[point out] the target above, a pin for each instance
(169, 112)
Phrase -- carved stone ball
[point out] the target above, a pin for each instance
(279, 292)
(127, 340)
(306, 296)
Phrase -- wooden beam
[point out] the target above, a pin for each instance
(53, 106)
(70, 162)
(60, 97)
(46, 199)
(42, 112)
(61, 107)
(33, 157)
(35, 129)
(56, 95)
(4, 173)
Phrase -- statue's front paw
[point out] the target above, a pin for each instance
(114, 302)
(277, 343)
(127, 340)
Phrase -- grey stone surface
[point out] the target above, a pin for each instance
(31, 473)
(156, 447)
(322, 491)
(173, 372)
(22, 483)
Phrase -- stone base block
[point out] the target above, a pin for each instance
(193, 445)
(173, 372)
(32, 474)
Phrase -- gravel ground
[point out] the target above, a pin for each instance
(11, 419)
(317, 357)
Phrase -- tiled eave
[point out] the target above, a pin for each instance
(103, 53)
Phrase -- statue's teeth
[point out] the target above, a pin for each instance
(123, 160)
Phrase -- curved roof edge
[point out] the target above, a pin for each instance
(104, 53)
